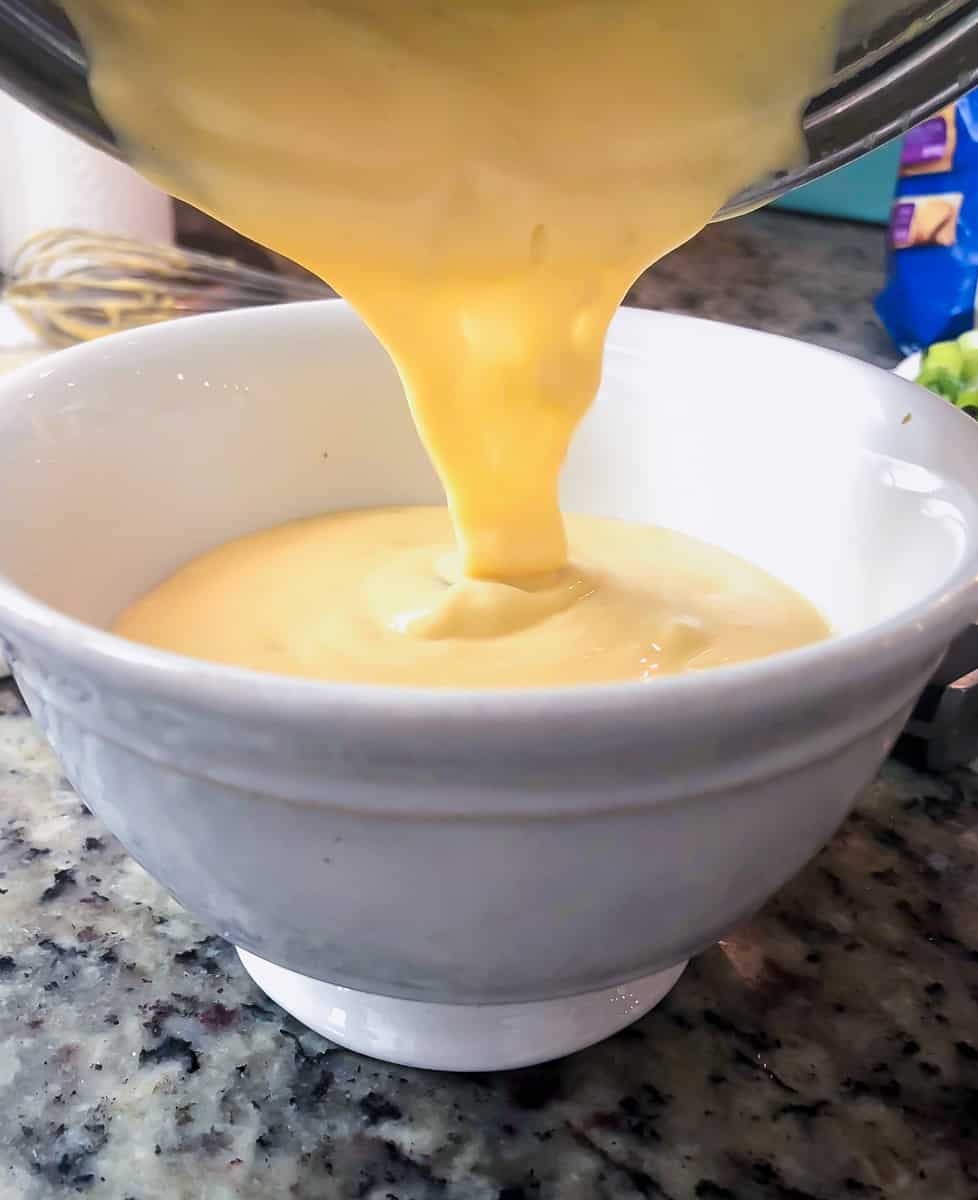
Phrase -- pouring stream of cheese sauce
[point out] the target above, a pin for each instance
(482, 180)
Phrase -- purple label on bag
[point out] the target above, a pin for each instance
(901, 220)
(925, 143)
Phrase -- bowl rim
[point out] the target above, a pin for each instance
(912, 633)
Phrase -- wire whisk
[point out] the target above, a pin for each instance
(71, 285)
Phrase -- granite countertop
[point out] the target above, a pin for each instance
(828, 1049)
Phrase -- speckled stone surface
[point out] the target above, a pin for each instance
(799, 276)
(827, 1050)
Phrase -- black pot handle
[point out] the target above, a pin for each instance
(43, 64)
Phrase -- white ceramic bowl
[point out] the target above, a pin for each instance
(474, 879)
(909, 367)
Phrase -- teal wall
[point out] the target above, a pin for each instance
(862, 191)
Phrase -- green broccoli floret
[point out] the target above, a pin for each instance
(940, 380)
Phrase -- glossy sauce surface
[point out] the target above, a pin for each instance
(638, 603)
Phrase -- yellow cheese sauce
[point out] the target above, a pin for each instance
(354, 597)
(483, 180)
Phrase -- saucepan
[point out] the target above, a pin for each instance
(898, 61)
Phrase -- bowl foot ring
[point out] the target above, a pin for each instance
(458, 1037)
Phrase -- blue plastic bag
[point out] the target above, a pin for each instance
(932, 276)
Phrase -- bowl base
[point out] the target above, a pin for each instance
(458, 1037)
